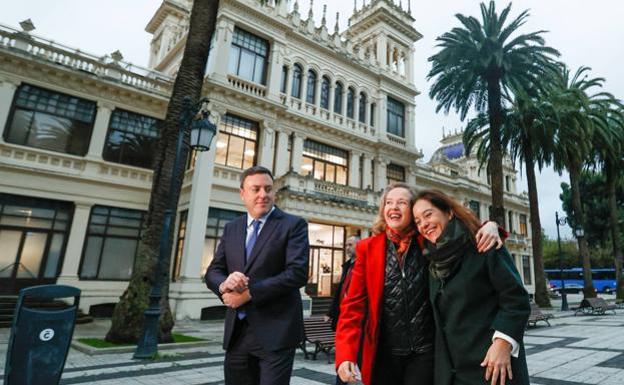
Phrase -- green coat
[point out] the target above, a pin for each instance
(483, 295)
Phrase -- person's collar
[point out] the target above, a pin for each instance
(262, 219)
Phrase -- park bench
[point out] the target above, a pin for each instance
(320, 334)
(537, 316)
(595, 306)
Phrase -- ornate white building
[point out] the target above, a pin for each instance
(330, 112)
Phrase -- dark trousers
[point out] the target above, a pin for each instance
(246, 363)
(403, 370)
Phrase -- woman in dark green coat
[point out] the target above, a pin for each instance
(479, 302)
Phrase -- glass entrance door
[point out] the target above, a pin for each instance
(326, 258)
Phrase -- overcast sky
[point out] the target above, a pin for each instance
(586, 33)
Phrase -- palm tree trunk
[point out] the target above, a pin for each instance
(127, 321)
(495, 163)
(588, 284)
(541, 292)
(611, 177)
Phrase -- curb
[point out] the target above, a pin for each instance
(84, 348)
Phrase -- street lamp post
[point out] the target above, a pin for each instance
(564, 298)
(193, 117)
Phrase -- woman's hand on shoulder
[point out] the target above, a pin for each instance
(487, 237)
(497, 362)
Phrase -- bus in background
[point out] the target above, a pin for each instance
(603, 279)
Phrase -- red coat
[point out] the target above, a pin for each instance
(363, 298)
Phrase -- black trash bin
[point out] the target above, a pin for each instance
(40, 338)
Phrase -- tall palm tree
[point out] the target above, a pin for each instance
(527, 127)
(127, 319)
(477, 65)
(608, 147)
(581, 116)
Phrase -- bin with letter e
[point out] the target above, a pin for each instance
(40, 338)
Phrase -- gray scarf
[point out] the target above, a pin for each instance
(449, 248)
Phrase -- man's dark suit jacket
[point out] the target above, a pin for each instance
(334, 308)
(277, 268)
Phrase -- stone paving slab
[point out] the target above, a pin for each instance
(579, 350)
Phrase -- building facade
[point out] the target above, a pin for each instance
(331, 113)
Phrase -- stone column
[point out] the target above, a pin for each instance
(266, 150)
(297, 152)
(367, 172)
(356, 106)
(317, 91)
(409, 65)
(199, 204)
(380, 174)
(221, 49)
(289, 77)
(410, 125)
(100, 129)
(354, 169)
(281, 158)
(382, 50)
(332, 96)
(382, 118)
(75, 243)
(345, 92)
(275, 72)
(304, 85)
(7, 92)
(367, 110)
(410, 176)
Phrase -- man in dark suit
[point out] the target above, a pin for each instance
(258, 268)
(345, 278)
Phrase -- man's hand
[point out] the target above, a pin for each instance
(487, 237)
(236, 281)
(326, 318)
(349, 372)
(497, 362)
(235, 300)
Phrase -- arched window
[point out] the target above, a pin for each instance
(338, 98)
(325, 93)
(362, 108)
(311, 90)
(296, 81)
(350, 101)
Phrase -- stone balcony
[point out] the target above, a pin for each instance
(319, 189)
(518, 240)
(109, 67)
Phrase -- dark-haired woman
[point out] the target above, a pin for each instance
(480, 305)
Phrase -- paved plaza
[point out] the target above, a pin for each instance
(573, 351)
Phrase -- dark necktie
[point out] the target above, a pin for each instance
(240, 313)
(252, 239)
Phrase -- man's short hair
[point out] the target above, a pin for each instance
(253, 171)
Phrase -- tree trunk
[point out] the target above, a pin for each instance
(588, 284)
(541, 291)
(611, 177)
(495, 163)
(127, 322)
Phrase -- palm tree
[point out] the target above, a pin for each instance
(477, 65)
(127, 319)
(608, 147)
(527, 127)
(582, 116)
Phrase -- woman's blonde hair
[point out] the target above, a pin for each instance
(380, 222)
